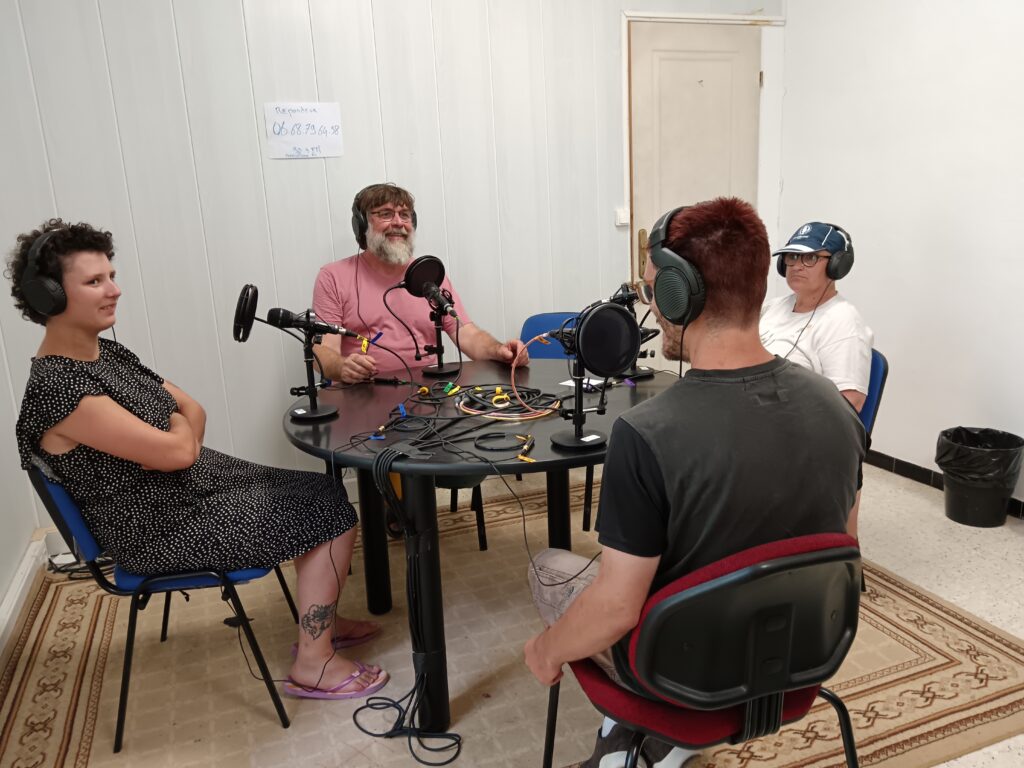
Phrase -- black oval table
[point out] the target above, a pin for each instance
(363, 408)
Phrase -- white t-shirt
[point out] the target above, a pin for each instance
(836, 343)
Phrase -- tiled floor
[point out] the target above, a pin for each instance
(496, 704)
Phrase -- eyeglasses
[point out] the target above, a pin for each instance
(807, 259)
(644, 291)
(387, 214)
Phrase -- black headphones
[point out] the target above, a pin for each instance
(838, 264)
(359, 222)
(678, 286)
(43, 294)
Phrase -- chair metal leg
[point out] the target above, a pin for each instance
(288, 592)
(636, 745)
(549, 732)
(845, 725)
(126, 672)
(588, 496)
(167, 615)
(454, 504)
(232, 595)
(477, 504)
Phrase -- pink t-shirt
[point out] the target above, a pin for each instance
(350, 292)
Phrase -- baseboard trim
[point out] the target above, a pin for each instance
(20, 589)
(926, 476)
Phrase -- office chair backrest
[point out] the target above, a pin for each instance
(772, 618)
(66, 515)
(876, 385)
(538, 324)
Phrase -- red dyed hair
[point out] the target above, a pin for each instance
(727, 241)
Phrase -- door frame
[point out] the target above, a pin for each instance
(769, 134)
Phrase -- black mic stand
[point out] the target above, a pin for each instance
(440, 368)
(314, 412)
(575, 439)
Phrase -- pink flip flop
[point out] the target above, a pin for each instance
(346, 642)
(298, 690)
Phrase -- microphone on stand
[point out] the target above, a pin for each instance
(423, 278)
(305, 321)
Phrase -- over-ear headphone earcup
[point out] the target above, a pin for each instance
(45, 295)
(679, 293)
(359, 225)
(780, 264)
(839, 265)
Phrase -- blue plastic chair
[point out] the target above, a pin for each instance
(538, 324)
(72, 526)
(534, 326)
(876, 385)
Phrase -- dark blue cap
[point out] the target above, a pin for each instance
(816, 236)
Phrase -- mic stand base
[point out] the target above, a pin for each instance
(305, 414)
(638, 372)
(569, 440)
(442, 369)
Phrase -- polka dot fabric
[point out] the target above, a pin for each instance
(221, 513)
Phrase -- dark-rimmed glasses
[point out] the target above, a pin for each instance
(807, 259)
(388, 214)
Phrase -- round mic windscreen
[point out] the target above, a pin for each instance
(245, 311)
(421, 272)
(607, 339)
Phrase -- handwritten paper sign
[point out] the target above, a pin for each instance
(303, 129)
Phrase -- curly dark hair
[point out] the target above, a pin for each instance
(71, 238)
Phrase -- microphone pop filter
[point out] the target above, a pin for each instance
(245, 311)
(420, 272)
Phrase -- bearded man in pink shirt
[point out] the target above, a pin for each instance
(351, 292)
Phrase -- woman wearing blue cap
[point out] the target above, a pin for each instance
(814, 326)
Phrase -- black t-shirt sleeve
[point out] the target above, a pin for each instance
(632, 515)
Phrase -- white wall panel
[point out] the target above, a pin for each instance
(222, 116)
(464, 105)
(403, 34)
(160, 171)
(69, 69)
(346, 72)
(521, 157)
(572, 150)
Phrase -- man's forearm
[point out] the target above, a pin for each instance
(330, 362)
(478, 343)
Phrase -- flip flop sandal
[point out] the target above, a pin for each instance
(300, 691)
(346, 642)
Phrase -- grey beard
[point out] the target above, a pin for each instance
(397, 253)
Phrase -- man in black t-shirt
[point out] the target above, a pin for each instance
(747, 448)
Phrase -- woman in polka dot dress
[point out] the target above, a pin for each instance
(128, 447)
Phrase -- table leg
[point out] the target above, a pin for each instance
(426, 608)
(559, 529)
(375, 545)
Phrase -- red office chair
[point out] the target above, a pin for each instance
(733, 650)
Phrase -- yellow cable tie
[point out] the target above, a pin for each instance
(365, 345)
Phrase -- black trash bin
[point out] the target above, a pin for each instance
(981, 467)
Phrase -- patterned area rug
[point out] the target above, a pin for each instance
(924, 682)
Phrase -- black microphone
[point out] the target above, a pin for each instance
(439, 300)
(304, 321)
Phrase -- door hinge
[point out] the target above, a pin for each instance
(760, 79)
